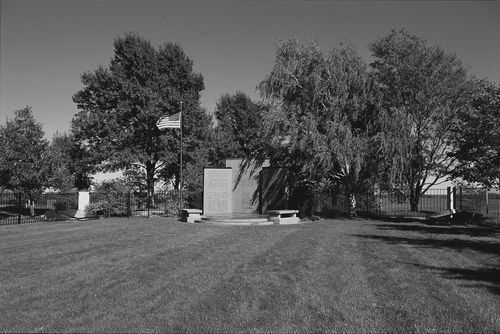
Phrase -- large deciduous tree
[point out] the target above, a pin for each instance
(318, 119)
(239, 122)
(22, 155)
(424, 89)
(57, 161)
(476, 136)
(120, 105)
(67, 164)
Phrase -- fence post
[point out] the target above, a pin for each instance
(454, 200)
(19, 202)
(148, 203)
(129, 204)
(380, 201)
(461, 209)
(487, 204)
(448, 199)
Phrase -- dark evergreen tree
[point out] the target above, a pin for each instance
(23, 155)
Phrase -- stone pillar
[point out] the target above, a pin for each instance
(83, 201)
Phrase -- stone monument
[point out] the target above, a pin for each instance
(273, 189)
(217, 189)
(244, 188)
(245, 195)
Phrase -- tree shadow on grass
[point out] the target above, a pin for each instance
(488, 277)
(476, 231)
(482, 246)
(485, 276)
(459, 219)
(394, 219)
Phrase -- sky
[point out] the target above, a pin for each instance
(45, 46)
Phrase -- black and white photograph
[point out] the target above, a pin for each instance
(249, 166)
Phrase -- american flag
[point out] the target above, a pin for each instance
(170, 122)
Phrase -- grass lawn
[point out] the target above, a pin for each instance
(159, 275)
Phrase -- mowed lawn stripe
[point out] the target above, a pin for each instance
(336, 290)
(119, 283)
(414, 298)
(220, 258)
(62, 246)
(443, 256)
(310, 281)
(160, 275)
(258, 294)
(69, 276)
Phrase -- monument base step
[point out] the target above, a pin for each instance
(246, 219)
(236, 220)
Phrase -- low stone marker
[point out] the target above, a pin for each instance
(283, 217)
(190, 215)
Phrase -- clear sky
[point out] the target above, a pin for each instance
(46, 45)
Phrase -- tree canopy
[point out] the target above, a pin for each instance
(424, 88)
(68, 168)
(318, 119)
(58, 162)
(22, 154)
(476, 136)
(120, 105)
(406, 121)
(238, 129)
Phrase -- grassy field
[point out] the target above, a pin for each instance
(159, 275)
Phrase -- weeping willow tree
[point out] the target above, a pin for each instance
(318, 121)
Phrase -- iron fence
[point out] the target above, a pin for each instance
(434, 201)
(133, 204)
(17, 208)
(397, 202)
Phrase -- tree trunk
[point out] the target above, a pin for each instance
(414, 198)
(351, 200)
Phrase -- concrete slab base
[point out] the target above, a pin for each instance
(248, 220)
(285, 220)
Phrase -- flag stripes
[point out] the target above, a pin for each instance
(170, 122)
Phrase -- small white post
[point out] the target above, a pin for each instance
(83, 201)
(452, 200)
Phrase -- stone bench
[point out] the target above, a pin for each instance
(283, 217)
(190, 215)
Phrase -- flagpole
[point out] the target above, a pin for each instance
(180, 174)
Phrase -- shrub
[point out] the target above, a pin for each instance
(109, 204)
(105, 208)
(101, 208)
(171, 200)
